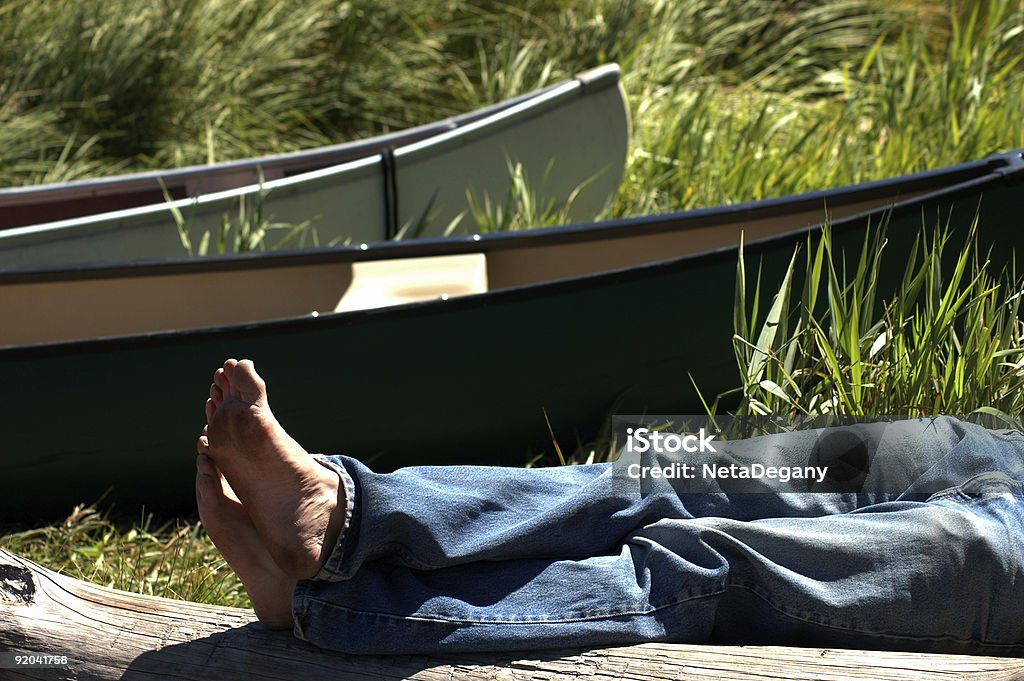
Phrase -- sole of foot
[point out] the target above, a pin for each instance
(295, 503)
(232, 531)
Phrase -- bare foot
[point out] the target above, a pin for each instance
(230, 528)
(293, 501)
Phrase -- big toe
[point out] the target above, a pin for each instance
(246, 384)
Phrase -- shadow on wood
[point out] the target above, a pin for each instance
(110, 634)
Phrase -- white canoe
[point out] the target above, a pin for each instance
(570, 140)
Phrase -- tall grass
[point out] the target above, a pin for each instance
(244, 229)
(918, 88)
(731, 100)
(950, 340)
(170, 559)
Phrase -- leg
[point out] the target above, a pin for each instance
(431, 517)
(941, 576)
(483, 558)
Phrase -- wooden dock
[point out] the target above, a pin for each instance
(109, 634)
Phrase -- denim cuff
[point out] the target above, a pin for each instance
(333, 565)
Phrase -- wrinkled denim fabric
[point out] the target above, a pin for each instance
(467, 558)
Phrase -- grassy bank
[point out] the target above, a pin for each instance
(731, 101)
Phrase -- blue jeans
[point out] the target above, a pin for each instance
(436, 559)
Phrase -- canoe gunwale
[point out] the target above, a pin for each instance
(485, 127)
(513, 294)
(583, 84)
(355, 169)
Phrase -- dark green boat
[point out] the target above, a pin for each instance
(428, 352)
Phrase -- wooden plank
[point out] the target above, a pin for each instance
(112, 634)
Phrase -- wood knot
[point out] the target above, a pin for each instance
(16, 584)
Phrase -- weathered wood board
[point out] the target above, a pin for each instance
(109, 634)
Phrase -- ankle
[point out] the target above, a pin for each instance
(334, 490)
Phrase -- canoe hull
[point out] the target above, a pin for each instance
(568, 138)
(36, 204)
(468, 380)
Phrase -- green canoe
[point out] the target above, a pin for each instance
(425, 352)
